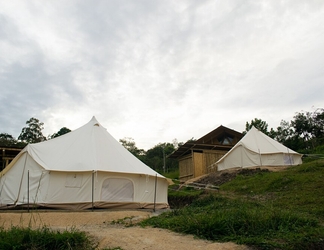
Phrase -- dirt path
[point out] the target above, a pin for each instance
(107, 227)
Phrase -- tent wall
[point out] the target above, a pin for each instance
(14, 184)
(79, 190)
(241, 157)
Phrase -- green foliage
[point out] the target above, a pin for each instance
(33, 132)
(44, 238)
(304, 133)
(130, 145)
(7, 140)
(319, 150)
(157, 159)
(257, 123)
(62, 131)
(174, 175)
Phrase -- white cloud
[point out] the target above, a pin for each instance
(155, 70)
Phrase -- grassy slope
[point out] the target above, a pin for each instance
(299, 188)
(276, 210)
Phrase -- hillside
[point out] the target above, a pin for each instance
(261, 208)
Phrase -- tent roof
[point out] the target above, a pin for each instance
(88, 148)
(260, 143)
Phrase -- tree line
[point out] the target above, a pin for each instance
(303, 134)
(32, 133)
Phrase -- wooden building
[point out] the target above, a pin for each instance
(196, 157)
(7, 154)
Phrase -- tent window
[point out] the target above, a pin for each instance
(117, 190)
(73, 180)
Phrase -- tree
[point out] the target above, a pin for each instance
(157, 159)
(309, 127)
(257, 123)
(62, 131)
(304, 132)
(302, 125)
(130, 145)
(33, 132)
(285, 134)
(7, 140)
(318, 126)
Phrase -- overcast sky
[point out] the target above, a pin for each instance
(159, 70)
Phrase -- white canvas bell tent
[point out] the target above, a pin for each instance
(257, 149)
(86, 168)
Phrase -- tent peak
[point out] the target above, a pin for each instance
(94, 121)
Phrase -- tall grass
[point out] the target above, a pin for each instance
(223, 219)
(174, 175)
(298, 188)
(44, 238)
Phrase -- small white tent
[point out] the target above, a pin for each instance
(86, 168)
(258, 149)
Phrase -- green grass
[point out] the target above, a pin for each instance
(270, 210)
(174, 175)
(298, 188)
(183, 197)
(18, 238)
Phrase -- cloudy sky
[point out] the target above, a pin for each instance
(159, 70)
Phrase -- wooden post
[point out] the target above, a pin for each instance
(92, 195)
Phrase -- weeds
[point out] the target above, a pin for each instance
(127, 221)
(44, 238)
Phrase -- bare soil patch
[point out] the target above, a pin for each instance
(108, 228)
(220, 177)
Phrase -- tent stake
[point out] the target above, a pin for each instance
(155, 192)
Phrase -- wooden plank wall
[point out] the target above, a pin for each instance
(199, 164)
(186, 169)
(199, 167)
(211, 157)
(7, 155)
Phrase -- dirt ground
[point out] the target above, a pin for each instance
(221, 177)
(108, 227)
